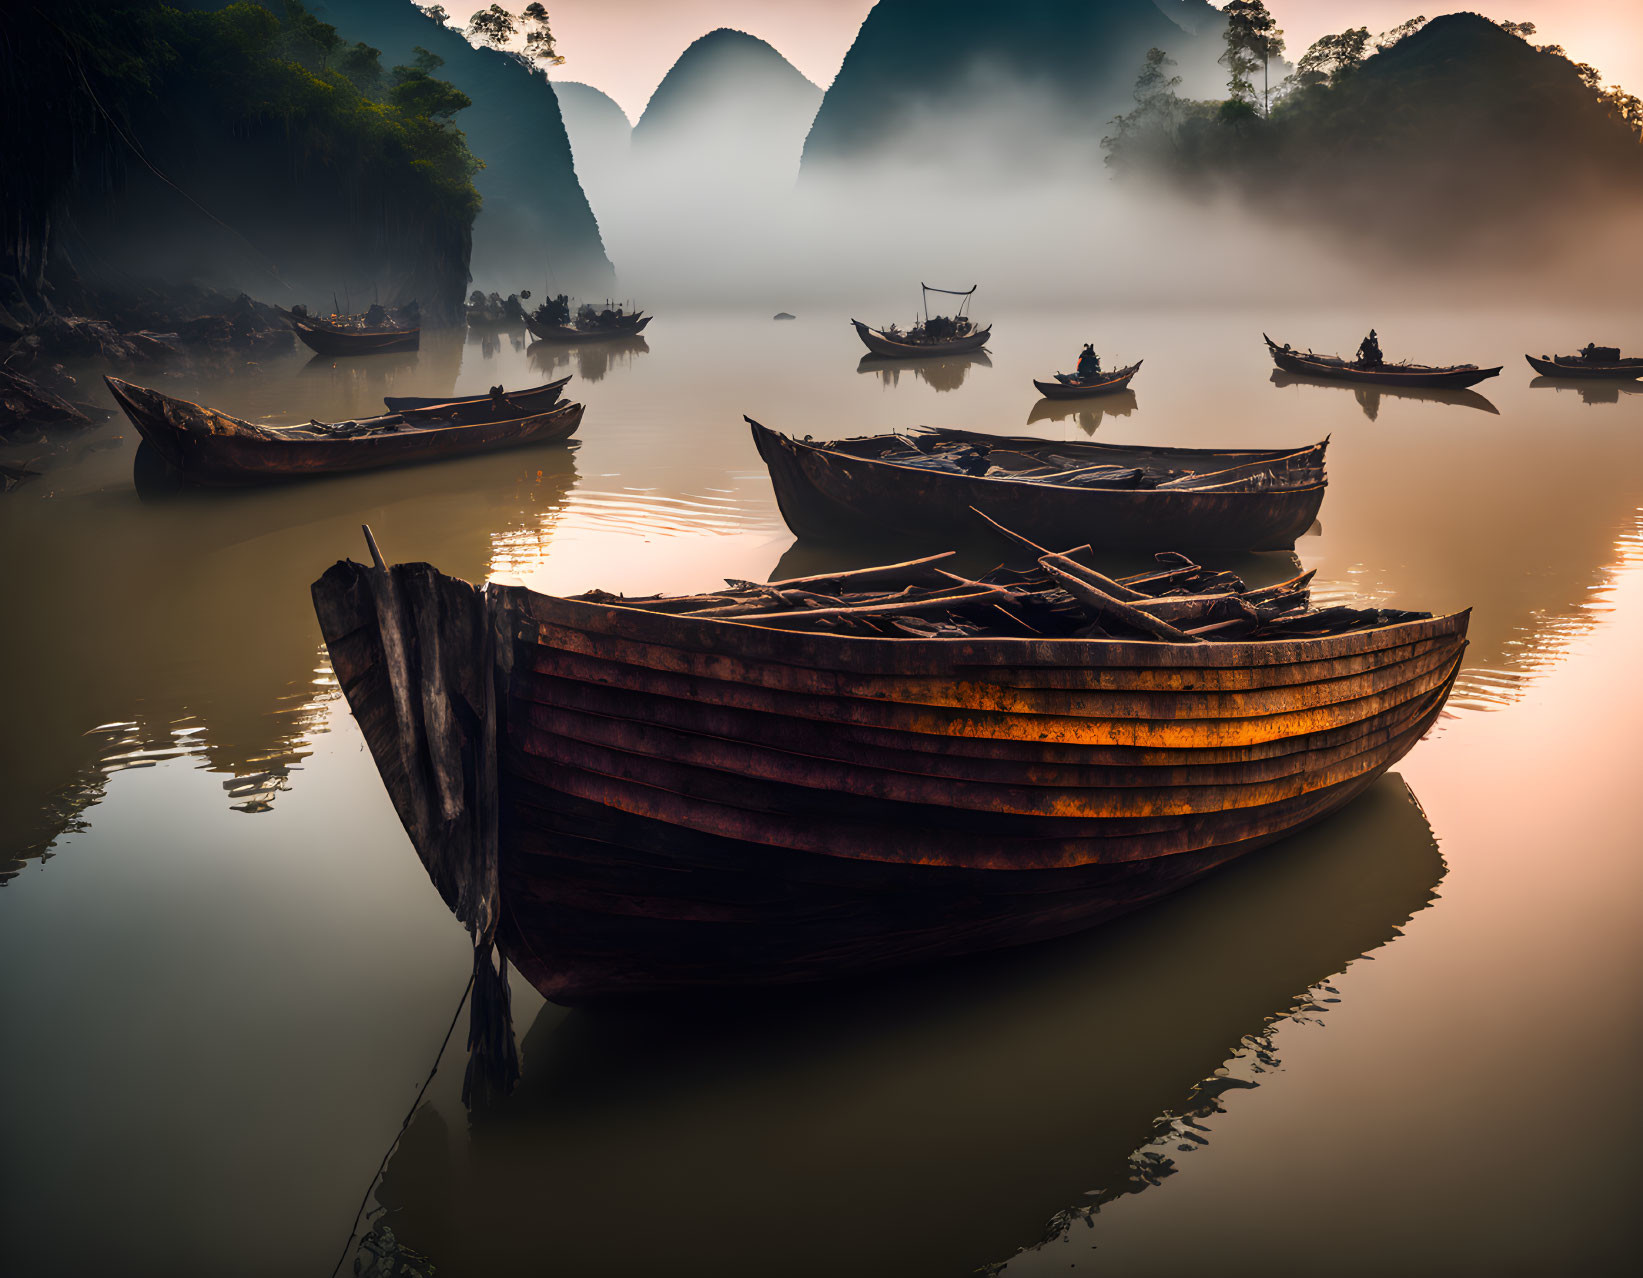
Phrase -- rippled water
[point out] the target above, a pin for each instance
(223, 974)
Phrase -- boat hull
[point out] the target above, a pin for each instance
(213, 449)
(325, 340)
(567, 335)
(1625, 371)
(826, 495)
(879, 344)
(1386, 375)
(686, 804)
(1112, 385)
(534, 400)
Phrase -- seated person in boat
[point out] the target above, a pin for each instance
(1369, 352)
(1089, 363)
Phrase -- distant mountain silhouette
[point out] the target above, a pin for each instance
(535, 220)
(601, 137)
(973, 78)
(733, 102)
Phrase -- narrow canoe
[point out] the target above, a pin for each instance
(629, 327)
(880, 344)
(534, 399)
(1576, 367)
(634, 801)
(1211, 499)
(338, 339)
(1105, 384)
(1336, 369)
(209, 447)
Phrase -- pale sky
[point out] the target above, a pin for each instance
(625, 47)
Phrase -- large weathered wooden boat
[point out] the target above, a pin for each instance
(209, 447)
(533, 399)
(1334, 368)
(354, 334)
(933, 334)
(1055, 491)
(1598, 363)
(825, 776)
(1071, 386)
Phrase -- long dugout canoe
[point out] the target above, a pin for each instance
(1336, 369)
(641, 802)
(212, 448)
(828, 490)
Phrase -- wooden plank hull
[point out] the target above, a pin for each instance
(686, 803)
(1626, 370)
(1111, 385)
(582, 336)
(211, 448)
(823, 494)
(1384, 375)
(879, 344)
(327, 340)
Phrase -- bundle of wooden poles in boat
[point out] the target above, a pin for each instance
(1062, 596)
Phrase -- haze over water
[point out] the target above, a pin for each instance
(225, 973)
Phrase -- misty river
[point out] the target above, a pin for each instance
(224, 974)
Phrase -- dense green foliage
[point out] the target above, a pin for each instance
(258, 119)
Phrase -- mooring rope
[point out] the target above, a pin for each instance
(353, 1235)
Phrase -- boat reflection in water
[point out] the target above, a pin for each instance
(218, 652)
(592, 361)
(1590, 392)
(1369, 396)
(941, 372)
(1088, 413)
(922, 1123)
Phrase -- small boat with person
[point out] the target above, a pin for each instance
(828, 776)
(1601, 363)
(553, 321)
(1057, 492)
(533, 399)
(376, 332)
(932, 335)
(1370, 367)
(205, 446)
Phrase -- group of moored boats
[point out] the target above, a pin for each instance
(382, 330)
(827, 775)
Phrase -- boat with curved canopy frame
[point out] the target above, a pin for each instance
(896, 345)
(1334, 368)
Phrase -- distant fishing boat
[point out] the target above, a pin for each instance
(837, 774)
(933, 335)
(209, 447)
(1056, 492)
(553, 322)
(533, 399)
(1598, 362)
(1071, 386)
(354, 334)
(1334, 368)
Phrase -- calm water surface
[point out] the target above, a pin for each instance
(223, 973)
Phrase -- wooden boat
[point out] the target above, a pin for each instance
(1337, 369)
(356, 338)
(628, 326)
(1055, 492)
(881, 344)
(533, 399)
(1577, 366)
(1068, 386)
(209, 447)
(632, 796)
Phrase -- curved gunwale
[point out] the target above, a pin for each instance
(1334, 368)
(1263, 494)
(1625, 370)
(874, 339)
(1083, 390)
(1091, 446)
